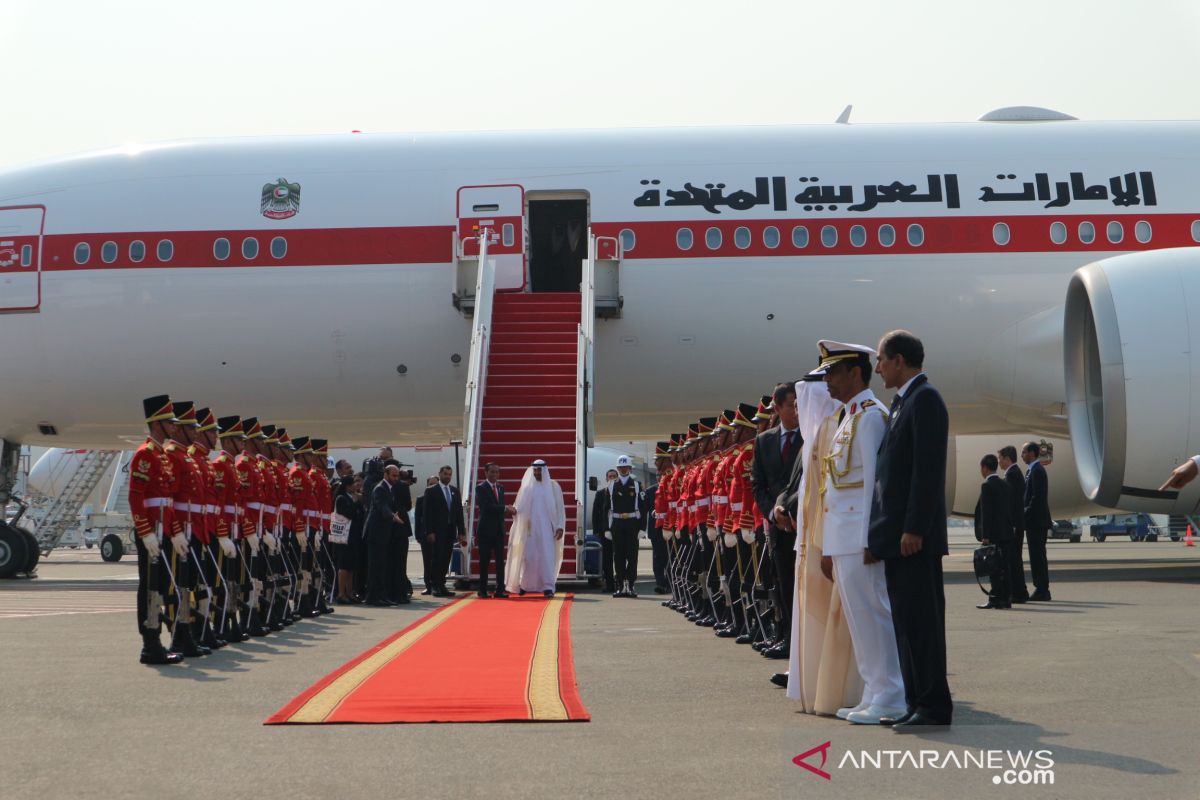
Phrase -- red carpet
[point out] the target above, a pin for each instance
(471, 660)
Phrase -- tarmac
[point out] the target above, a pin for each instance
(1103, 677)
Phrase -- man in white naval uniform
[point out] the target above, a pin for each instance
(848, 480)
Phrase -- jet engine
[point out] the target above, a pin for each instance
(1131, 352)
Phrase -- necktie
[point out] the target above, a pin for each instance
(446, 491)
(496, 492)
(787, 445)
(896, 402)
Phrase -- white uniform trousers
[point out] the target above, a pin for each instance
(868, 611)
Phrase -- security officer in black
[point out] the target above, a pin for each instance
(628, 514)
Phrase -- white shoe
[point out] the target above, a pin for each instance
(842, 713)
(872, 714)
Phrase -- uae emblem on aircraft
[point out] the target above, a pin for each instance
(280, 199)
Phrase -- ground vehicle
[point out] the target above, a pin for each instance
(1136, 526)
(1065, 529)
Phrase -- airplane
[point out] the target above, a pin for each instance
(1046, 262)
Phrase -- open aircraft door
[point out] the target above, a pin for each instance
(500, 209)
(21, 257)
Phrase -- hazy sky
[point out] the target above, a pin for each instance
(80, 75)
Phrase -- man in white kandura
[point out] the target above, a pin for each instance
(535, 541)
(849, 473)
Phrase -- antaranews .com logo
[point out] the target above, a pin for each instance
(1007, 767)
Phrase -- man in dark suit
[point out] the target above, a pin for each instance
(1015, 552)
(425, 541)
(601, 530)
(1037, 519)
(993, 525)
(401, 503)
(775, 453)
(489, 499)
(379, 529)
(908, 529)
(442, 516)
(654, 532)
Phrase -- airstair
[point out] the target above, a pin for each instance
(62, 512)
(529, 395)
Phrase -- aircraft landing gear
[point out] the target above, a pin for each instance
(19, 551)
(14, 551)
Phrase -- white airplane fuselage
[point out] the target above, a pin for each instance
(313, 339)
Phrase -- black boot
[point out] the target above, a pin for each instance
(185, 644)
(254, 626)
(154, 653)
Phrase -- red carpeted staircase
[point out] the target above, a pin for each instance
(529, 406)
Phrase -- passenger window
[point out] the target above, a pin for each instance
(858, 235)
(507, 234)
(221, 249)
(1142, 231)
(166, 250)
(771, 236)
(712, 238)
(916, 235)
(683, 238)
(1116, 232)
(800, 237)
(628, 240)
(829, 236)
(108, 252)
(249, 248)
(887, 235)
(26, 255)
(1058, 232)
(741, 238)
(278, 247)
(137, 251)
(1087, 232)
(1001, 234)
(83, 252)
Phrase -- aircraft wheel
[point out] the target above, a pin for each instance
(35, 551)
(1151, 537)
(1100, 537)
(111, 548)
(13, 555)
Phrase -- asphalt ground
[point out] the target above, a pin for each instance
(1104, 678)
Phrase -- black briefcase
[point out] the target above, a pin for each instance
(988, 564)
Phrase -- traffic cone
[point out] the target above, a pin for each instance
(1187, 540)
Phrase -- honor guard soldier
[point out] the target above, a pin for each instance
(703, 500)
(187, 521)
(229, 528)
(626, 518)
(301, 505)
(284, 579)
(318, 477)
(250, 491)
(150, 499)
(741, 524)
(204, 439)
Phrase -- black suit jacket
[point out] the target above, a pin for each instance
(379, 519)
(440, 520)
(1037, 499)
(993, 511)
(651, 520)
(600, 512)
(419, 518)
(768, 472)
(1015, 478)
(402, 503)
(910, 475)
(491, 510)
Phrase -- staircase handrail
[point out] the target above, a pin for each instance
(481, 328)
(583, 389)
(114, 489)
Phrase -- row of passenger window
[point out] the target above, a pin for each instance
(165, 250)
(886, 235)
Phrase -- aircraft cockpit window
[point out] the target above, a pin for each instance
(858, 235)
(1116, 232)
(279, 247)
(628, 240)
(800, 237)
(26, 255)
(1001, 234)
(83, 252)
(108, 252)
(1058, 232)
(712, 238)
(887, 235)
(683, 238)
(916, 235)
(249, 248)
(137, 251)
(771, 236)
(741, 238)
(1087, 232)
(1142, 231)
(221, 249)
(829, 236)
(166, 250)
(1196, 230)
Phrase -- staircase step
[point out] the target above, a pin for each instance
(531, 372)
(560, 382)
(545, 316)
(522, 325)
(530, 357)
(525, 347)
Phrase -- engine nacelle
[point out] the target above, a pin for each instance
(1131, 351)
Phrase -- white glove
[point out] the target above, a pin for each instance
(317, 543)
(747, 536)
(302, 538)
(711, 533)
(257, 586)
(153, 548)
(730, 540)
(253, 540)
(677, 534)
(227, 546)
(180, 545)
(608, 535)
(271, 542)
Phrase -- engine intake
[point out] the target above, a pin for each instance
(1130, 350)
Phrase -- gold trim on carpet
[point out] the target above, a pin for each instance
(326, 701)
(545, 699)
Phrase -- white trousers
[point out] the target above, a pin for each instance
(868, 611)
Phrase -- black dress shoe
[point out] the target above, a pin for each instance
(988, 604)
(1040, 596)
(1002, 605)
(482, 595)
(781, 650)
(426, 590)
(726, 633)
(501, 594)
(160, 656)
(890, 721)
(548, 593)
(745, 638)
(1021, 600)
(780, 679)
(919, 723)
(660, 590)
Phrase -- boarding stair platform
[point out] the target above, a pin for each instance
(528, 396)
